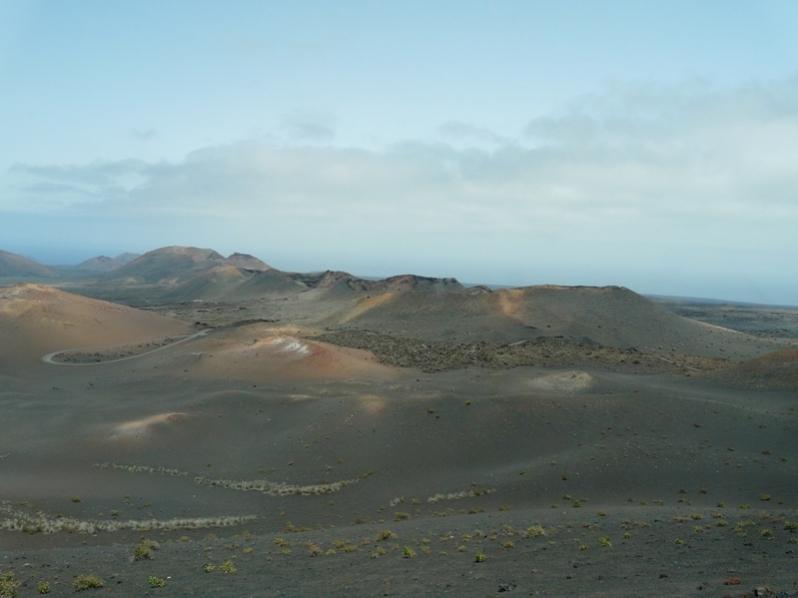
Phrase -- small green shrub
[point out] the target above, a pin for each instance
(605, 542)
(144, 549)
(480, 557)
(87, 582)
(43, 587)
(535, 531)
(9, 585)
(408, 553)
(156, 582)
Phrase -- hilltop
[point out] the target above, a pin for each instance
(103, 263)
(13, 265)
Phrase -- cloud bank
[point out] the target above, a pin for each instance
(636, 175)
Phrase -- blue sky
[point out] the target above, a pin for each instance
(648, 144)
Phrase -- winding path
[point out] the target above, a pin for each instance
(49, 358)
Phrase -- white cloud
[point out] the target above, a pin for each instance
(655, 170)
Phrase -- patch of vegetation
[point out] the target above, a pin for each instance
(378, 552)
(408, 553)
(344, 546)
(43, 587)
(605, 542)
(145, 549)
(9, 584)
(87, 582)
(156, 582)
(480, 557)
(295, 529)
(385, 534)
(401, 516)
(227, 567)
(535, 531)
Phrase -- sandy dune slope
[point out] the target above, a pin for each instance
(36, 319)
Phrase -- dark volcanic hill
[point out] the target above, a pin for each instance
(178, 274)
(441, 309)
(168, 263)
(103, 263)
(15, 265)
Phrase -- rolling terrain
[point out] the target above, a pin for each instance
(17, 266)
(239, 430)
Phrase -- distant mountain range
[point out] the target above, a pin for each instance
(423, 307)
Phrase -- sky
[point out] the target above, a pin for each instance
(647, 144)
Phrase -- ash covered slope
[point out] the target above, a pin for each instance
(613, 316)
(777, 370)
